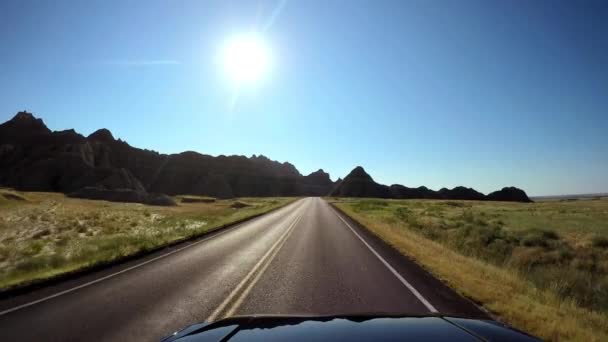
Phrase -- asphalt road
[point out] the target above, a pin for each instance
(305, 258)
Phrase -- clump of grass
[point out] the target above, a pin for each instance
(369, 204)
(454, 204)
(41, 233)
(538, 237)
(600, 242)
(467, 216)
(34, 248)
(10, 195)
(239, 205)
(39, 263)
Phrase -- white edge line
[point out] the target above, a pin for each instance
(22, 306)
(423, 300)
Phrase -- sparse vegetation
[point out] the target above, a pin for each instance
(47, 234)
(542, 267)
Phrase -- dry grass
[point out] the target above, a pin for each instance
(48, 234)
(458, 244)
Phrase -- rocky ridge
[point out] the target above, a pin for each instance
(99, 166)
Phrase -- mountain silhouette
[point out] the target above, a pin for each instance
(34, 158)
(359, 183)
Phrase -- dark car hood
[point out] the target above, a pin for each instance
(349, 327)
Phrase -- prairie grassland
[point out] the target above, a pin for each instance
(46, 234)
(541, 267)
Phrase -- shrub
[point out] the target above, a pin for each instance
(600, 242)
(468, 216)
(454, 204)
(30, 264)
(403, 213)
(34, 248)
(365, 205)
(538, 237)
(62, 241)
(41, 233)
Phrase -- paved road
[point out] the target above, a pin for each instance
(303, 258)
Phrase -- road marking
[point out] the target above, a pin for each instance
(245, 293)
(215, 314)
(22, 306)
(423, 300)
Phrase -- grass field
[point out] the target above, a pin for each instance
(46, 234)
(542, 267)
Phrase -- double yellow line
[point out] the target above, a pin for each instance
(234, 300)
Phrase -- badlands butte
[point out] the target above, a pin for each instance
(35, 158)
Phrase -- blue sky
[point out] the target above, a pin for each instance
(438, 93)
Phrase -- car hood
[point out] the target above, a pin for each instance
(371, 327)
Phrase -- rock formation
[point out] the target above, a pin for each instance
(34, 158)
(359, 183)
(512, 194)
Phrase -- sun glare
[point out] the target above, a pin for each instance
(246, 59)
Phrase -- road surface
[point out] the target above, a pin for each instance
(305, 258)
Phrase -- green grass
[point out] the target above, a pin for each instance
(554, 254)
(48, 234)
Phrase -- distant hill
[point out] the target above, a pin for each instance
(359, 183)
(34, 158)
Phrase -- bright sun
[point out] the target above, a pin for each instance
(245, 58)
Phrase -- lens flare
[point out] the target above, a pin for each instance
(246, 59)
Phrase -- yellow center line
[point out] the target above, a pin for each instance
(245, 293)
(251, 273)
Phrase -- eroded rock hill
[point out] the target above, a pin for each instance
(34, 158)
(359, 183)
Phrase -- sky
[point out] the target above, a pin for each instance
(483, 94)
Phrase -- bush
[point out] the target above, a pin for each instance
(538, 237)
(468, 216)
(488, 243)
(403, 213)
(41, 233)
(600, 242)
(30, 264)
(40, 263)
(365, 205)
(454, 204)
(34, 248)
